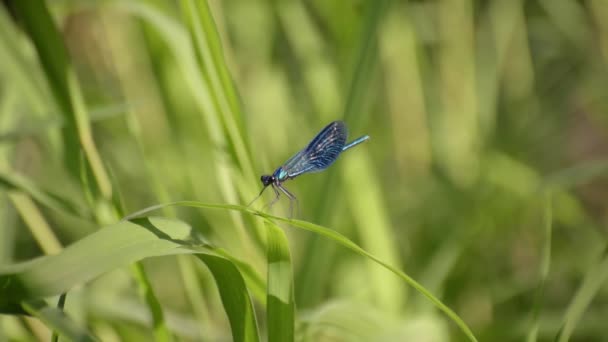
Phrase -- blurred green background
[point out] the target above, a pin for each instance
(484, 179)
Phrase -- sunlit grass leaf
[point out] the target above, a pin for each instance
(335, 237)
(280, 299)
(109, 248)
(119, 245)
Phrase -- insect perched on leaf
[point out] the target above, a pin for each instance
(320, 153)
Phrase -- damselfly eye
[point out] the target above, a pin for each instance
(266, 180)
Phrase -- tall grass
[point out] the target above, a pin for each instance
(480, 192)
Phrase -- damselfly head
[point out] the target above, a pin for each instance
(267, 180)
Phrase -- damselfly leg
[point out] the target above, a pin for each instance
(276, 198)
(292, 199)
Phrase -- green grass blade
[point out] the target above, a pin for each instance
(255, 283)
(235, 297)
(36, 223)
(65, 88)
(60, 306)
(39, 25)
(209, 57)
(335, 237)
(187, 44)
(193, 293)
(544, 270)
(160, 329)
(58, 321)
(219, 64)
(579, 174)
(17, 67)
(373, 225)
(77, 131)
(43, 127)
(592, 283)
(280, 298)
(13, 181)
(313, 274)
(344, 241)
(364, 64)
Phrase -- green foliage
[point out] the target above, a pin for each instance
(120, 245)
(58, 320)
(280, 300)
(481, 191)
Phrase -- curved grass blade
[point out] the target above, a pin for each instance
(235, 297)
(255, 283)
(332, 235)
(119, 245)
(280, 299)
(344, 241)
(58, 321)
